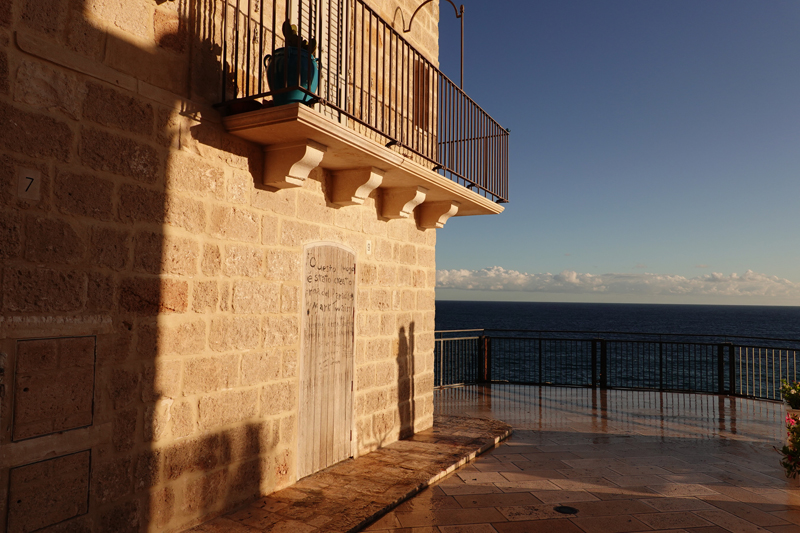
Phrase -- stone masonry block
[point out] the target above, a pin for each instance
(169, 30)
(185, 213)
(10, 235)
(123, 518)
(111, 108)
(183, 418)
(39, 290)
(236, 333)
(112, 481)
(101, 292)
(186, 338)
(426, 300)
(46, 16)
(210, 374)
(281, 331)
(161, 508)
(151, 296)
(52, 241)
(243, 261)
(226, 408)
(256, 297)
(212, 260)
(180, 256)
(239, 186)
(109, 247)
(161, 379)
(426, 257)
(165, 254)
(206, 492)
(33, 134)
(283, 265)
(260, 367)
(290, 299)
(235, 224)
(123, 435)
(205, 296)
(405, 253)
(140, 204)
(278, 398)
(123, 387)
(289, 363)
(187, 173)
(281, 202)
(3, 71)
(270, 229)
(84, 195)
(43, 87)
(120, 155)
(294, 233)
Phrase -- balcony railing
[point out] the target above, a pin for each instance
(737, 366)
(370, 74)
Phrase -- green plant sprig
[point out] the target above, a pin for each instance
(293, 40)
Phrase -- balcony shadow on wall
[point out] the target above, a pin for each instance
(182, 432)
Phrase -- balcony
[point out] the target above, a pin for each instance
(382, 114)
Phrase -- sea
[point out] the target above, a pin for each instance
(716, 320)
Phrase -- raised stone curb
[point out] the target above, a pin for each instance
(355, 493)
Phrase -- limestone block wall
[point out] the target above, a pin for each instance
(151, 290)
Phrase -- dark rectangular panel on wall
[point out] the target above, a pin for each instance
(53, 386)
(48, 492)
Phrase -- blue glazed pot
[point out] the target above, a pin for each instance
(282, 67)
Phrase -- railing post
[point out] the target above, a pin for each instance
(541, 358)
(594, 363)
(487, 359)
(482, 359)
(721, 369)
(603, 364)
(660, 365)
(731, 370)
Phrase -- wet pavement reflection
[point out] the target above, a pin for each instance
(611, 461)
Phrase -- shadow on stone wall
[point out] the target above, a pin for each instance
(405, 381)
(107, 155)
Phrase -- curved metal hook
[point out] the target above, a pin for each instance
(426, 2)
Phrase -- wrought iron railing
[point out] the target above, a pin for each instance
(740, 366)
(369, 73)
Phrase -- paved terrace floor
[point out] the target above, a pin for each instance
(625, 461)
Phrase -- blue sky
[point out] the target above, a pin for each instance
(655, 151)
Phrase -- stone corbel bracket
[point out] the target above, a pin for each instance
(434, 214)
(353, 186)
(400, 202)
(288, 165)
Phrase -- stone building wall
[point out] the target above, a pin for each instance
(151, 291)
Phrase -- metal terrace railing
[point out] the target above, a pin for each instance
(741, 366)
(369, 73)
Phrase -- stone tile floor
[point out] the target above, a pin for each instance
(625, 461)
(354, 493)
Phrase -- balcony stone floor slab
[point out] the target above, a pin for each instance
(624, 461)
(356, 492)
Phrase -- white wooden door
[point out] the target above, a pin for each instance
(326, 363)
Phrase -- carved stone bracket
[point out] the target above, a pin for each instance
(435, 214)
(400, 202)
(353, 186)
(288, 165)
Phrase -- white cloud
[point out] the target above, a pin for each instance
(749, 284)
